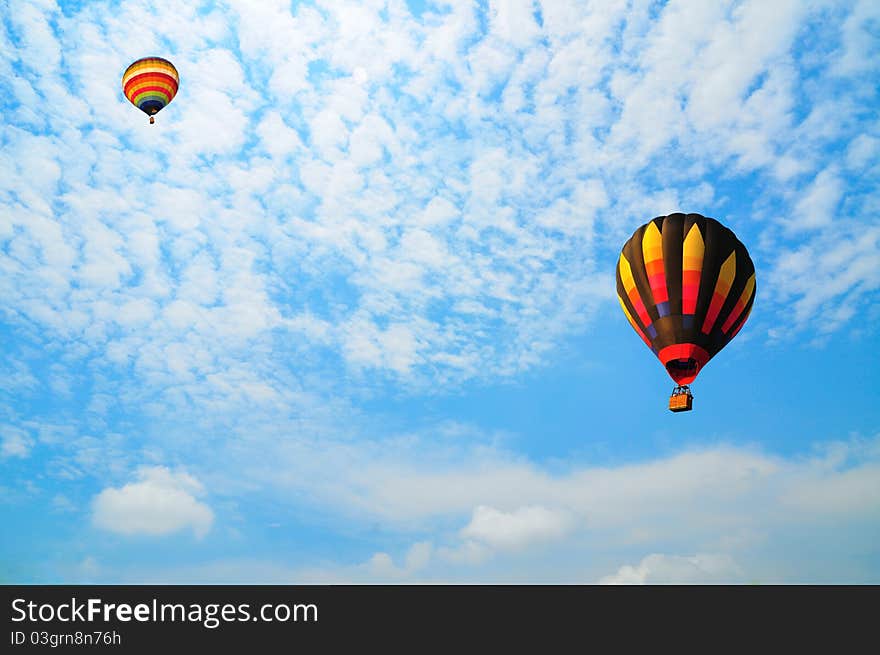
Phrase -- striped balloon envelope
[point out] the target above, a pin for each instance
(150, 84)
(686, 285)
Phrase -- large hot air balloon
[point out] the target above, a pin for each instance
(686, 284)
(150, 84)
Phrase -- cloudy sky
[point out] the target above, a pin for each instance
(346, 312)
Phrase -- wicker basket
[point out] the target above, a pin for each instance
(682, 402)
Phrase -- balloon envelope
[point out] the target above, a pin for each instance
(150, 84)
(686, 285)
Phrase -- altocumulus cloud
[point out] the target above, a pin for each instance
(350, 195)
(14, 442)
(159, 503)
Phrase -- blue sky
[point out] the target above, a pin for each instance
(346, 312)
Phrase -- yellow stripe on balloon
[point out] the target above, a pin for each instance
(693, 250)
(740, 304)
(629, 284)
(722, 288)
(652, 251)
(150, 66)
(632, 322)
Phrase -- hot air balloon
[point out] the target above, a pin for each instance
(150, 84)
(686, 285)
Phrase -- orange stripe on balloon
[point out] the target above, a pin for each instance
(740, 304)
(150, 78)
(626, 277)
(743, 322)
(633, 323)
(722, 288)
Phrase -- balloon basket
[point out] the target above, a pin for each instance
(152, 120)
(681, 399)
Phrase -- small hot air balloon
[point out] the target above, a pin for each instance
(150, 84)
(686, 285)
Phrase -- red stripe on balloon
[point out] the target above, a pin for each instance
(690, 291)
(151, 77)
(743, 322)
(737, 310)
(712, 314)
(639, 306)
(658, 286)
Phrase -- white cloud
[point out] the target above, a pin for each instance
(511, 190)
(381, 565)
(513, 21)
(278, 139)
(398, 487)
(470, 553)
(702, 568)
(159, 503)
(14, 442)
(828, 278)
(859, 48)
(519, 528)
(61, 503)
(816, 208)
(729, 498)
(418, 556)
(861, 151)
(736, 509)
(838, 494)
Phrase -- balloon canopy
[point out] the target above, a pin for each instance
(150, 84)
(686, 284)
